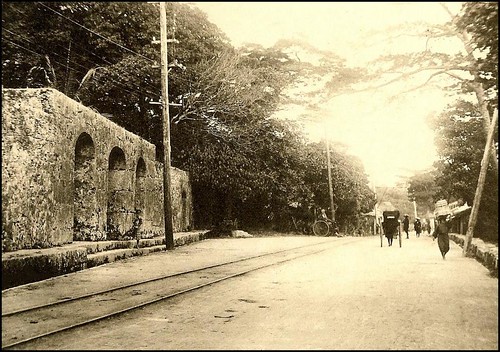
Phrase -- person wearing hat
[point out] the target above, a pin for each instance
(417, 225)
(406, 226)
(441, 233)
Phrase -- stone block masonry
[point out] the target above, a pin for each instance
(70, 174)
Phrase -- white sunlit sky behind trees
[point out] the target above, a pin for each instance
(388, 131)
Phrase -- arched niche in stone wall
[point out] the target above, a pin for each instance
(140, 190)
(85, 216)
(118, 214)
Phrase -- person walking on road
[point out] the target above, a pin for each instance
(441, 233)
(406, 226)
(424, 226)
(417, 225)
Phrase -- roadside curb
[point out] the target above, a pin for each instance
(26, 266)
(485, 253)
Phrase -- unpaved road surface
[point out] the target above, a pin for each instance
(354, 296)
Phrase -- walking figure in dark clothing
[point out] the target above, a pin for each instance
(406, 226)
(417, 225)
(441, 233)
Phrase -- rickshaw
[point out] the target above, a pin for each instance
(391, 223)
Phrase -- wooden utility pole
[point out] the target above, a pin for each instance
(330, 187)
(167, 198)
(375, 213)
(480, 185)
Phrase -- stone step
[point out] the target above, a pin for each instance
(113, 255)
(102, 246)
(25, 266)
(101, 253)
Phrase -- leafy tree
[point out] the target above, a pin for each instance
(479, 25)
(242, 162)
(351, 193)
(470, 73)
(423, 189)
(397, 196)
(460, 146)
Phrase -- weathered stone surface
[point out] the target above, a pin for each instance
(486, 253)
(24, 269)
(29, 265)
(63, 165)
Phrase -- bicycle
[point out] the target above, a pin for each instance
(324, 228)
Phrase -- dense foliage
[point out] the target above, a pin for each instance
(423, 189)
(461, 146)
(243, 163)
(480, 22)
(463, 128)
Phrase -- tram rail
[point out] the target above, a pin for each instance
(28, 324)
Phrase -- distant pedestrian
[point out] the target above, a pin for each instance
(424, 226)
(406, 226)
(417, 225)
(441, 233)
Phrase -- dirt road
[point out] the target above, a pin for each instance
(354, 296)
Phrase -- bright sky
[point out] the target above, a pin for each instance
(391, 138)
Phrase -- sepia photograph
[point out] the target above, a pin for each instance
(249, 175)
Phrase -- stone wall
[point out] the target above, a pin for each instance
(484, 252)
(68, 174)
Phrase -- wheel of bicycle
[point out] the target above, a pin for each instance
(321, 228)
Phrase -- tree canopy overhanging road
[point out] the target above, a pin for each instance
(244, 163)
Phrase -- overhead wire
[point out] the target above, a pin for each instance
(86, 68)
(67, 66)
(99, 35)
(113, 42)
(118, 85)
(119, 45)
(124, 88)
(37, 53)
(92, 53)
